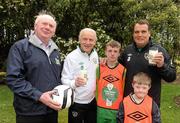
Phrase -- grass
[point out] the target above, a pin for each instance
(169, 110)
(7, 114)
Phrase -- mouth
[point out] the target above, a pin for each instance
(46, 31)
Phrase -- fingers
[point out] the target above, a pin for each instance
(54, 105)
(46, 98)
(103, 61)
(159, 59)
(79, 81)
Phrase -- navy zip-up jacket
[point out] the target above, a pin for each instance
(30, 72)
(136, 61)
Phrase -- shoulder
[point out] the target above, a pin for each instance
(128, 49)
(94, 54)
(73, 55)
(159, 46)
(130, 46)
(20, 45)
(128, 97)
(21, 42)
(120, 65)
(149, 98)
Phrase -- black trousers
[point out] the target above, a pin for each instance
(83, 113)
(49, 118)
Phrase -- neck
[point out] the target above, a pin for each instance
(136, 99)
(43, 40)
(112, 64)
(84, 51)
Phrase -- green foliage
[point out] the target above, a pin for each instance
(2, 76)
(67, 46)
(103, 38)
(16, 21)
(118, 17)
(114, 17)
(177, 63)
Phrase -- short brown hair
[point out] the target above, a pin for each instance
(113, 44)
(141, 22)
(142, 78)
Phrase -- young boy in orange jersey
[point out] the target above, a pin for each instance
(110, 84)
(138, 107)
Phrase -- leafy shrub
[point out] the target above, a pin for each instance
(69, 45)
(2, 77)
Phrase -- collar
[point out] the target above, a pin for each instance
(40, 43)
(81, 50)
(33, 39)
(144, 48)
(114, 66)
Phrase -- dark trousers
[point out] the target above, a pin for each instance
(83, 113)
(49, 118)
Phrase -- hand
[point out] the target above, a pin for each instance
(46, 98)
(159, 59)
(80, 81)
(103, 61)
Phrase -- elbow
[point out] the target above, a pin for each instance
(170, 78)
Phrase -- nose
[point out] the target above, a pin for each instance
(140, 34)
(112, 53)
(48, 26)
(88, 41)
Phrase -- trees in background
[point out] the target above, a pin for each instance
(110, 18)
(16, 20)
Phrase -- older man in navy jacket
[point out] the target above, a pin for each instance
(33, 70)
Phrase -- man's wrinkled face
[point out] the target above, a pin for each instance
(87, 41)
(45, 27)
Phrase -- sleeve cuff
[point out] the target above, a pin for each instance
(73, 84)
(37, 95)
(163, 67)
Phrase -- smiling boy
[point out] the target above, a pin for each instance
(138, 107)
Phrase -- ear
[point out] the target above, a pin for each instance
(149, 87)
(149, 33)
(132, 84)
(105, 51)
(119, 54)
(35, 26)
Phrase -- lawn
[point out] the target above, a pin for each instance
(170, 112)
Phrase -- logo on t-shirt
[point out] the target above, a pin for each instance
(137, 116)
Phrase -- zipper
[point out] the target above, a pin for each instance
(49, 59)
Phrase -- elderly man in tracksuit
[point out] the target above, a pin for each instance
(33, 70)
(79, 71)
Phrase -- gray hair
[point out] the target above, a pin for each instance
(87, 30)
(44, 13)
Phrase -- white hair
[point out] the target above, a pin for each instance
(87, 30)
(44, 15)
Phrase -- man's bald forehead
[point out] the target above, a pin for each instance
(44, 17)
